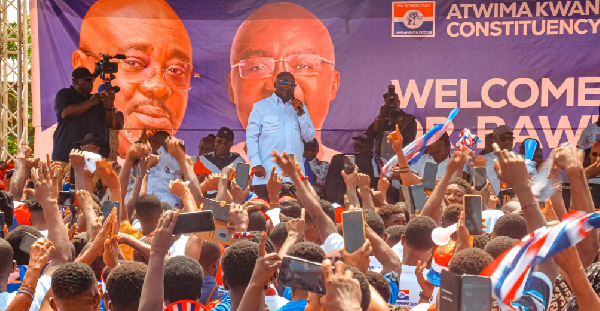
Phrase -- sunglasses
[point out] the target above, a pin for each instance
(507, 139)
(287, 83)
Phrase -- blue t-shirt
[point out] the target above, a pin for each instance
(225, 304)
(297, 305)
(536, 294)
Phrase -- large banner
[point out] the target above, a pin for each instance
(194, 66)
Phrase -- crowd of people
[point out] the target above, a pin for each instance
(72, 255)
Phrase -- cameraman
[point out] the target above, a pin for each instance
(79, 112)
(390, 114)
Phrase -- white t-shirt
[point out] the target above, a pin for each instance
(408, 296)
(419, 167)
(334, 242)
(178, 248)
(40, 291)
(399, 250)
(275, 302)
(589, 136)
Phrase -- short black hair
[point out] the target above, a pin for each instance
(238, 263)
(463, 183)
(481, 241)
(380, 284)
(6, 258)
(308, 251)
(32, 205)
(388, 210)
(364, 287)
(148, 208)
(184, 279)
(279, 234)
(288, 189)
(469, 261)
(374, 221)
(511, 225)
(290, 208)
(499, 245)
(327, 208)
(395, 233)
(209, 253)
(15, 238)
(72, 280)
(418, 232)
(166, 206)
(285, 74)
(257, 221)
(269, 246)
(452, 213)
(124, 285)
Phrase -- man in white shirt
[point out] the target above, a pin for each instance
(590, 135)
(166, 170)
(278, 122)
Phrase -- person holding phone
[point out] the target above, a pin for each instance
(279, 122)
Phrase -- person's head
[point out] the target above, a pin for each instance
(183, 279)
(363, 144)
(441, 147)
(7, 265)
(257, 221)
(283, 37)
(393, 235)
(510, 225)
(238, 263)
(124, 286)
(15, 237)
(392, 215)
(499, 245)
(155, 76)
(451, 215)
(290, 208)
(417, 237)
(148, 210)
(83, 80)
(311, 232)
(311, 149)
(457, 188)
(595, 153)
(35, 211)
(75, 288)
(375, 222)
(223, 142)
(206, 145)
(159, 139)
(469, 261)
(481, 241)
(307, 251)
(317, 302)
(92, 142)
(279, 235)
(488, 142)
(284, 85)
(380, 284)
(210, 258)
(504, 137)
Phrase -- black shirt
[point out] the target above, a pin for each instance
(73, 129)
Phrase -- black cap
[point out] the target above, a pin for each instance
(502, 129)
(365, 138)
(226, 133)
(81, 72)
(311, 143)
(91, 138)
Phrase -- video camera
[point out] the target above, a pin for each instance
(106, 69)
(392, 102)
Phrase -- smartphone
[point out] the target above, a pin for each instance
(73, 210)
(242, 173)
(472, 208)
(408, 199)
(349, 163)
(391, 93)
(9, 173)
(429, 175)
(2, 220)
(108, 206)
(66, 198)
(292, 156)
(219, 213)
(192, 222)
(302, 274)
(479, 177)
(419, 198)
(353, 225)
(464, 292)
(27, 241)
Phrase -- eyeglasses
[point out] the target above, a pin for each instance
(140, 68)
(505, 139)
(298, 65)
(284, 82)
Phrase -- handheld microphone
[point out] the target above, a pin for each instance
(299, 108)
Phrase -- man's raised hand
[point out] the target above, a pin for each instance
(510, 168)
(163, 235)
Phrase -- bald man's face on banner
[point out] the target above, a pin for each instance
(282, 37)
(155, 76)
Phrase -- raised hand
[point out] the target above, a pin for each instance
(175, 150)
(39, 252)
(211, 183)
(351, 180)
(266, 264)
(43, 184)
(567, 157)
(238, 194)
(458, 160)
(23, 151)
(152, 161)
(396, 139)
(238, 218)
(593, 170)
(479, 161)
(298, 106)
(342, 289)
(383, 184)
(510, 168)
(287, 164)
(77, 159)
(178, 187)
(360, 258)
(274, 185)
(295, 227)
(163, 235)
(227, 172)
(137, 151)
(364, 181)
(426, 287)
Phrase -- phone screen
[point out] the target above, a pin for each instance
(354, 230)
(65, 198)
(349, 163)
(302, 274)
(219, 213)
(9, 173)
(73, 210)
(473, 221)
(479, 177)
(108, 206)
(201, 221)
(408, 199)
(475, 293)
(27, 241)
(242, 171)
(429, 175)
(418, 195)
(2, 220)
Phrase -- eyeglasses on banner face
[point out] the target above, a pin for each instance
(298, 65)
(284, 82)
(139, 68)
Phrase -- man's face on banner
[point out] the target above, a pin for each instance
(155, 76)
(283, 37)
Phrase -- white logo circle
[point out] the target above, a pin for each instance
(413, 19)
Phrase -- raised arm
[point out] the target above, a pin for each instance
(383, 252)
(86, 204)
(187, 168)
(351, 181)
(407, 177)
(179, 188)
(23, 167)
(364, 184)
(134, 152)
(83, 180)
(568, 261)
(295, 230)
(109, 177)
